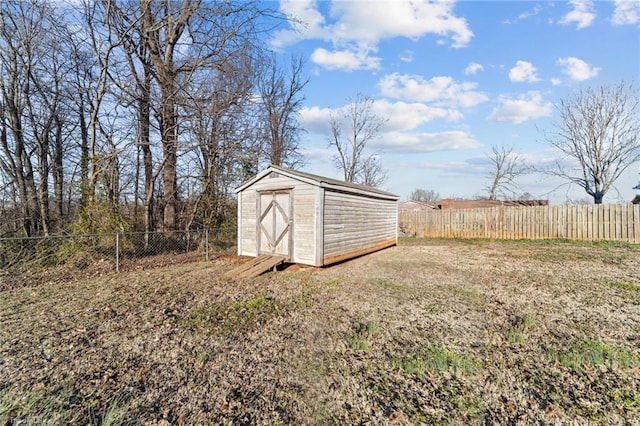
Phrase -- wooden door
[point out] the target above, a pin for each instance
(274, 223)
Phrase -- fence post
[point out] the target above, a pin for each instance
(117, 253)
(206, 244)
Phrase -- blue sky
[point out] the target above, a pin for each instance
(456, 78)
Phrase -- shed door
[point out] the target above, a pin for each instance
(275, 221)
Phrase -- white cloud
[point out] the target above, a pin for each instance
(347, 60)
(407, 56)
(473, 68)
(414, 143)
(400, 116)
(577, 69)
(322, 155)
(444, 91)
(398, 133)
(373, 21)
(627, 12)
(524, 15)
(356, 25)
(527, 106)
(556, 81)
(523, 72)
(306, 20)
(582, 14)
(315, 119)
(408, 116)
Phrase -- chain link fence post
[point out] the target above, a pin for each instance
(206, 244)
(117, 253)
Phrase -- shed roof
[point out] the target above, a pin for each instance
(321, 181)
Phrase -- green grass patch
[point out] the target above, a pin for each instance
(633, 287)
(472, 407)
(389, 284)
(42, 408)
(465, 292)
(234, 317)
(591, 353)
(515, 337)
(435, 360)
(332, 283)
(520, 325)
(364, 332)
(625, 398)
(359, 343)
(14, 407)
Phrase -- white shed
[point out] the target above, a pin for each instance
(313, 220)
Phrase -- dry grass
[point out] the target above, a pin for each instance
(432, 331)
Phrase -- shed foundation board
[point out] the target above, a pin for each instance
(255, 267)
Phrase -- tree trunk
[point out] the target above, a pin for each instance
(43, 188)
(84, 154)
(58, 170)
(169, 148)
(598, 197)
(144, 112)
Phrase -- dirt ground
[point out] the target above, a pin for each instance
(429, 332)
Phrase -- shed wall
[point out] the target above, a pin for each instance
(304, 197)
(355, 225)
(247, 220)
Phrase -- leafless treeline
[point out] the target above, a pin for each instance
(139, 113)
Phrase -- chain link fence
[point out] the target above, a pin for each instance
(20, 255)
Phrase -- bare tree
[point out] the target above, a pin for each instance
(221, 133)
(598, 132)
(506, 166)
(362, 126)
(372, 173)
(139, 96)
(281, 95)
(32, 71)
(424, 195)
(184, 38)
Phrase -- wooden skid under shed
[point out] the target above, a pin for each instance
(255, 267)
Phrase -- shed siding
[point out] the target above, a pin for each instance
(247, 226)
(357, 225)
(304, 222)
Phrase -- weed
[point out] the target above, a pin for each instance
(515, 337)
(528, 321)
(372, 328)
(364, 331)
(304, 299)
(436, 360)
(333, 283)
(414, 365)
(33, 407)
(627, 399)
(230, 318)
(115, 414)
(359, 343)
(623, 285)
(202, 357)
(465, 292)
(516, 334)
(469, 405)
(313, 369)
(590, 353)
(390, 285)
(14, 406)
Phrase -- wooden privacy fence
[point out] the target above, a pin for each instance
(611, 222)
